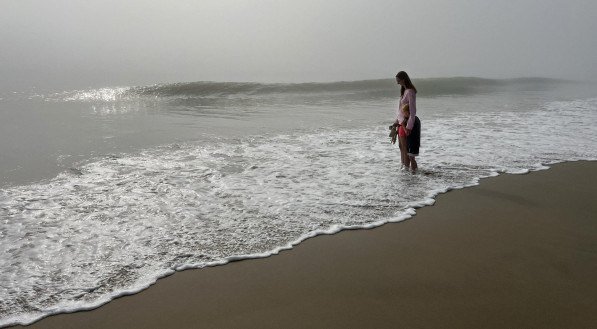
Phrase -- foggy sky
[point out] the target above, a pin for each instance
(68, 43)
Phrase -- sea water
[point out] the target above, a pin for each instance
(103, 191)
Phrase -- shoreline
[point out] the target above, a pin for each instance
(498, 254)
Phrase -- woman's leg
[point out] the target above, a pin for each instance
(413, 164)
(403, 152)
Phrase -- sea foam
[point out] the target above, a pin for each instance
(114, 225)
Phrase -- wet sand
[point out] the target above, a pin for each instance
(518, 251)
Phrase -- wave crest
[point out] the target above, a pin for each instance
(360, 89)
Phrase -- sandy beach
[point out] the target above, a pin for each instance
(517, 251)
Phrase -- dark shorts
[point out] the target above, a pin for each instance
(413, 140)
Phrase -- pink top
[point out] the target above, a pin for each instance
(409, 98)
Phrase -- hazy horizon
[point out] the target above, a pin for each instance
(69, 44)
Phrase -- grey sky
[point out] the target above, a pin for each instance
(117, 42)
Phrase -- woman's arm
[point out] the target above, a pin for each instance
(412, 106)
(399, 117)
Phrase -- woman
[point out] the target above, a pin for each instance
(409, 137)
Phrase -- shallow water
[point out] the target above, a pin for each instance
(117, 188)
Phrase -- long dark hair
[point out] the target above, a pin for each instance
(408, 84)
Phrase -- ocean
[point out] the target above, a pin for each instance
(103, 191)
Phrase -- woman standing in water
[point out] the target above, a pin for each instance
(409, 133)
